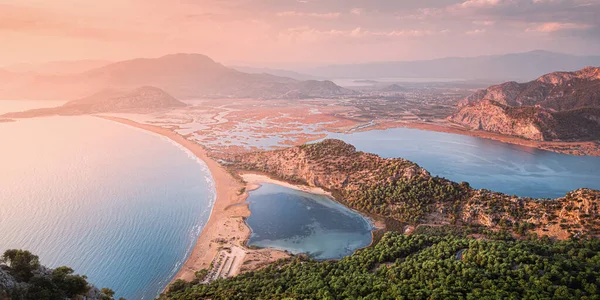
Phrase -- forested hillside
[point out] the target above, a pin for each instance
(428, 265)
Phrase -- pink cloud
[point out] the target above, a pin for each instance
(476, 31)
(331, 15)
(556, 26)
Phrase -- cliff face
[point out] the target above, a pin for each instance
(492, 116)
(399, 189)
(556, 106)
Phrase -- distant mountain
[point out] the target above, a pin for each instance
(393, 88)
(185, 76)
(57, 67)
(276, 72)
(517, 66)
(556, 106)
(142, 99)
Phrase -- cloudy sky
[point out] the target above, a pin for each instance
(293, 32)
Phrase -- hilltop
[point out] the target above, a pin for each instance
(401, 190)
(561, 106)
(138, 100)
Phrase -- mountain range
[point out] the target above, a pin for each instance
(514, 66)
(185, 76)
(276, 72)
(557, 106)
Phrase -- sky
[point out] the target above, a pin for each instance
(276, 33)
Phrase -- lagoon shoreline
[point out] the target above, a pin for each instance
(575, 148)
(226, 226)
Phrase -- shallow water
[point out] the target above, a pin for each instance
(484, 163)
(123, 206)
(301, 222)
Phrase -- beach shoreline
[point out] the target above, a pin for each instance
(225, 207)
(226, 227)
(254, 181)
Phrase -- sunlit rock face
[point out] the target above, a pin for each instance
(556, 106)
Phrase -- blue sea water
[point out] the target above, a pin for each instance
(125, 207)
(300, 222)
(121, 205)
(484, 163)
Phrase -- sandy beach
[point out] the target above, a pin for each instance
(226, 231)
(254, 181)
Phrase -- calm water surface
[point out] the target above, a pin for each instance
(301, 222)
(120, 205)
(483, 163)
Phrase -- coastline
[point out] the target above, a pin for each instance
(226, 230)
(589, 148)
(255, 179)
(226, 219)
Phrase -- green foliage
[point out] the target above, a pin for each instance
(440, 266)
(201, 275)
(22, 263)
(42, 283)
(70, 284)
(406, 200)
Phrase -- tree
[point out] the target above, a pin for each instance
(71, 285)
(22, 263)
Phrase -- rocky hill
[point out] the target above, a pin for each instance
(557, 106)
(142, 99)
(23, 277)
(400, 189)
(184, 76)
(139, 99)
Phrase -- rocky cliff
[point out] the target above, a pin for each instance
(399, 189)
(556, 106)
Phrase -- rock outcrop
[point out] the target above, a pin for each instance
(558, 106)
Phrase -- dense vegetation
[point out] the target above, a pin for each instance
(431, 265)
(399, 189)
(26, 279)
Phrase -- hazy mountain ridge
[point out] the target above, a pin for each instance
(184, 76)
(276, 72)
(514, 66)
(138, 100)
(556, 106)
